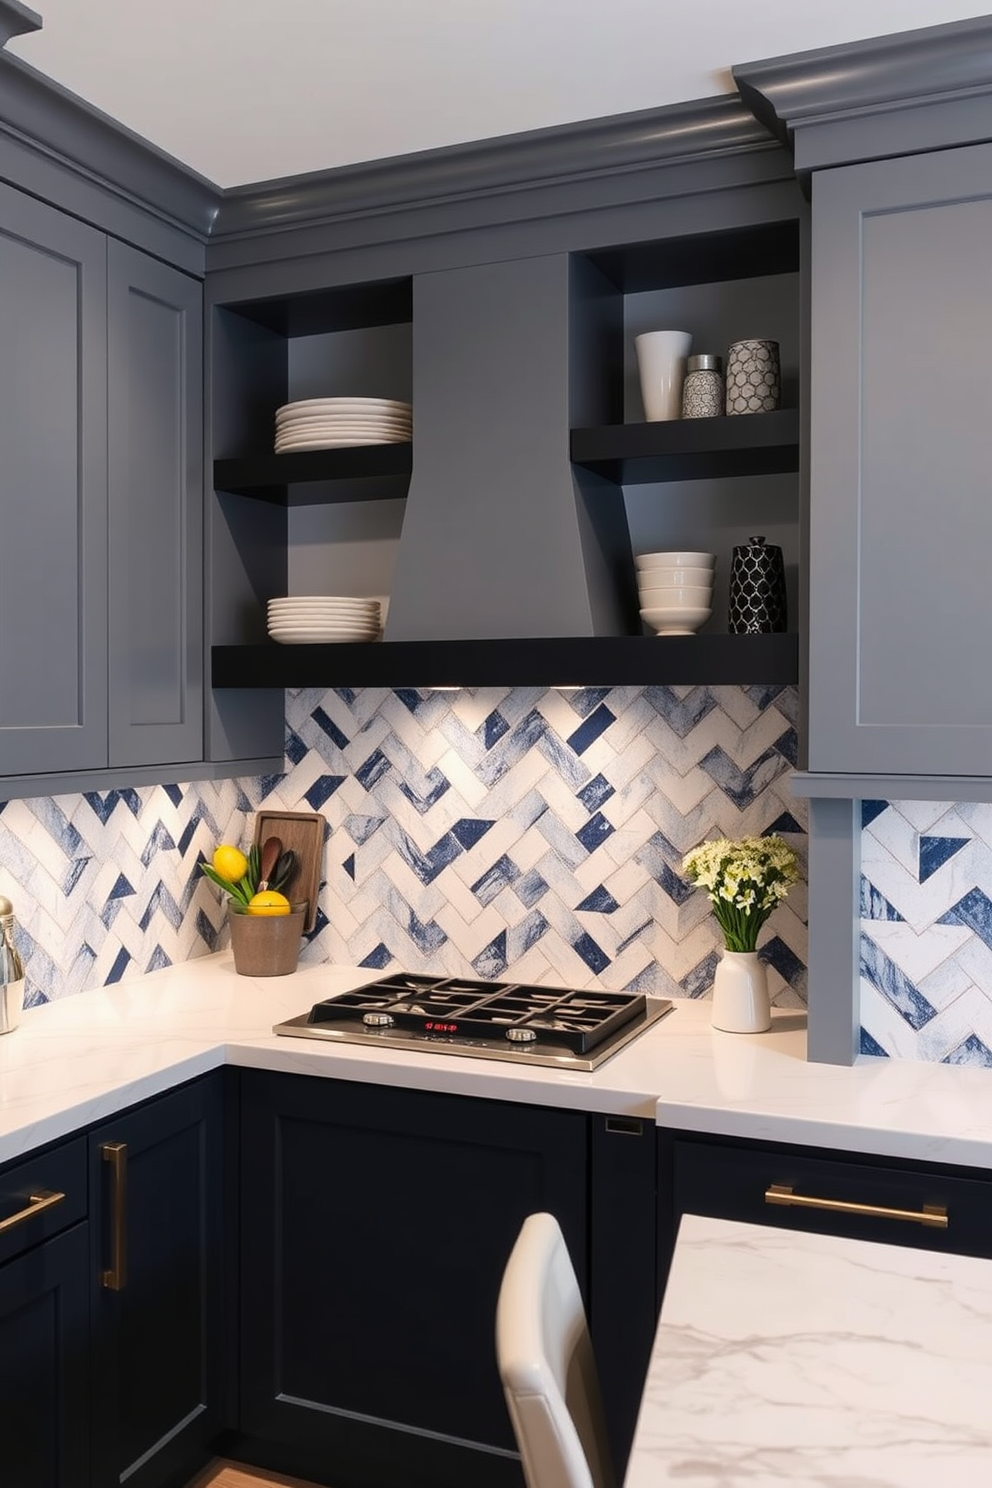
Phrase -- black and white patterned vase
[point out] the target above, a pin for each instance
(757, 589)
(754, 379)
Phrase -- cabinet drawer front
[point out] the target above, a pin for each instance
(868, 1201)
(30, 1210)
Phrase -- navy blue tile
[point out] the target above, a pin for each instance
(527, 934)
(361, 828)
(649, 979)
(422, 801)
(320, 922)
(776, 953)
(588, 732)
(655, 857)
(600, 901)
(378, 958)
(742, 787)
(121, 889)
(119, 967)
(586, 700)
(594, 832)
(894, 985)
(160, 901)
(975, 912)
(428, 865)
(971, 1051)
(159, 841)
(763, 695)
(294, 748)
(349, 866)
(327, 726)
(874, 905)
(593, 955)
(495, 879)
(936, 851)
(468, 831)
(698, 981)
(499, 760)
(683, 714)
(869, 1046)
(174, 793)
(787, 745)
(427, 936)
(529, 888)
(491, 961)
(492, 729)
(188, 833)
(322, 790)
(371, 771)
(786, 823)
(568, 764)
(409, 697)
(595, 793)
(870, 810)
(158, 960)
(74, 872)
(205, 930)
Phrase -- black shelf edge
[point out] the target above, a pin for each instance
(267, 475)
(690, 449)
(570, 661)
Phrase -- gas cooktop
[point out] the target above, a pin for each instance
(556, 1026)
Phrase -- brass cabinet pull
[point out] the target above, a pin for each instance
(932, 1215)
(45, 1198)
(115, 1155)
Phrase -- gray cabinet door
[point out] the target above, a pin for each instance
(53, 490)
(901, 467)
(155, 421)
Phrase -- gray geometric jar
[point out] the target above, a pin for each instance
(753, 377)
(757, 589)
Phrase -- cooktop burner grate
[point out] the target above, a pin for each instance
(456, 1007)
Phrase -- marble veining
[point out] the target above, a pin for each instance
(787, 1358)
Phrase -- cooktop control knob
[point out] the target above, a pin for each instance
(378, 1020)
(521, 1035)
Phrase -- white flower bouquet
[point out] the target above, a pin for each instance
(744, 881)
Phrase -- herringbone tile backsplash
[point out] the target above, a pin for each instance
(526, 833)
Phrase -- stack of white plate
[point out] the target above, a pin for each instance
(317, 619)
(675, 590)
(327, 423)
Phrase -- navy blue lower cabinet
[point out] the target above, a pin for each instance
(44, 1364)
(896, 1201)
(375, 1225)
(156, 1284)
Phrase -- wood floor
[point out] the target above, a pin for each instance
(229, 1475)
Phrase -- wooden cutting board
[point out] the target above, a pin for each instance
(304, 832)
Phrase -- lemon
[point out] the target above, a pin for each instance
(268, 902)
(229, 863)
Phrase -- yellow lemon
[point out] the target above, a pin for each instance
(229, 863)
(268, 902)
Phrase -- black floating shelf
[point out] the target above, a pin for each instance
(577, 661)
(267, 476)
(690, 449)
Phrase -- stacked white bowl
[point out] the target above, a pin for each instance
(319, 619)
(675, 590)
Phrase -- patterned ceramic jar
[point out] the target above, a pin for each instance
(753, 377)
(757, 589)
(702, 391)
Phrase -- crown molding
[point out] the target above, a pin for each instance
(926, 73)
(535, 160)
(47, 119)
(16, 19)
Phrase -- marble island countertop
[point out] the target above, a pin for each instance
(786, 1358)
(78, 1060)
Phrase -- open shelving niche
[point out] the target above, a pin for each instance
(307, 522)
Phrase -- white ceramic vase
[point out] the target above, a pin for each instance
(661, 358)
(740, 994)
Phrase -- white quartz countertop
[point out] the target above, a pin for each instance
(786, 1358)
(78, 1060)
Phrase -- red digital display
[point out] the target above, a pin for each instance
(432, 1027)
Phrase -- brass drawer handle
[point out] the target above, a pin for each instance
(934, 1216)
(114, 1278)
(46, 1198)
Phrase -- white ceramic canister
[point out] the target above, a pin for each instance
(661, 359)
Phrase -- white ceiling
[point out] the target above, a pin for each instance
(245, 91)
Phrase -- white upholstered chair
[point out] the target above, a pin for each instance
(546, 1364)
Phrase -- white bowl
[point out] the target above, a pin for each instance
(677, 596)
(677, 619)
(656, 578)
(678, 559)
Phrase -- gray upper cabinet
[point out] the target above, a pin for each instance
(156, 500)
(53, 476)
(101, 471)
(901, 451)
